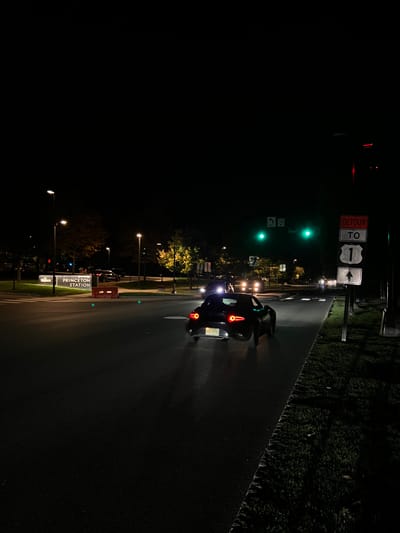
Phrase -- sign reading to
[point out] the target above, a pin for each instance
(351, 235)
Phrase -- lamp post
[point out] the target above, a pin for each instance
(174, 273)
(53, 194)
(139, 236)
(63, 222)
(108, 258)
(161, 268)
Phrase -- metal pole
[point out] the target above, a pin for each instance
(138, 272)
(346, 315)
(139, 236)
(53, 194)
(54, 256)
(174, 273)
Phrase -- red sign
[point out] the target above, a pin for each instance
(353, 222)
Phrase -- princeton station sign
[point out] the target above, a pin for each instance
(71, 281)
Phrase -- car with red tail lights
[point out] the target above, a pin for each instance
(238, 316)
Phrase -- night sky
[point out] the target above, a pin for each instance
(206, 125)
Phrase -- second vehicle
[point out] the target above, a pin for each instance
(216, 286)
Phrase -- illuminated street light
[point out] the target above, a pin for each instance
(161, 268)
(109, 253)
(53, 194)
(62, 222)
(139, 236)
(174, 273)
(55, 224)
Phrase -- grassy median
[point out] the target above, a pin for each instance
(333, 462)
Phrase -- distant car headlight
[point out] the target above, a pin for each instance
(202, 290)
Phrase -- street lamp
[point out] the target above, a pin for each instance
(63, 222)
(108, 252)
(53, 194)
(174, 273)
(55, 224)
(161, 268)
(139, 236)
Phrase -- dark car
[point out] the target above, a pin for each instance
(239, 316)
(106, 275)
(216, 286)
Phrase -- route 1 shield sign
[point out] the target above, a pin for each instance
(351, 254)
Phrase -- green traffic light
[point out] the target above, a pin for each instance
(307, 233)
(261, 236)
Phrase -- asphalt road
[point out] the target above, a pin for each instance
(113, 420)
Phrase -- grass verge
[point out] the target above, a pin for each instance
(333, 462)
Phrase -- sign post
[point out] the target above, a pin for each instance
(352, 239)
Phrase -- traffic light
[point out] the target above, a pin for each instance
(307, 233)
(261, 236)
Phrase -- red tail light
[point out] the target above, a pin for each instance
(235, 318)
(194, 316)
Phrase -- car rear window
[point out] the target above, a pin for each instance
(230, 302)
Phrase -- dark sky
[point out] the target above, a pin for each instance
(166, 123)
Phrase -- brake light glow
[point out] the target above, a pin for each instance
(194, 316)
(235, 318)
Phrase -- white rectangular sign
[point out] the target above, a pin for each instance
(72, 281)
(352, 235)
(349, 276)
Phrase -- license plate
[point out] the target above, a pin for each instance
(213, 332)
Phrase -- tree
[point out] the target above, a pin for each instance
(178, 258)
(263, 268)
(227, 265)
(82, 238)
